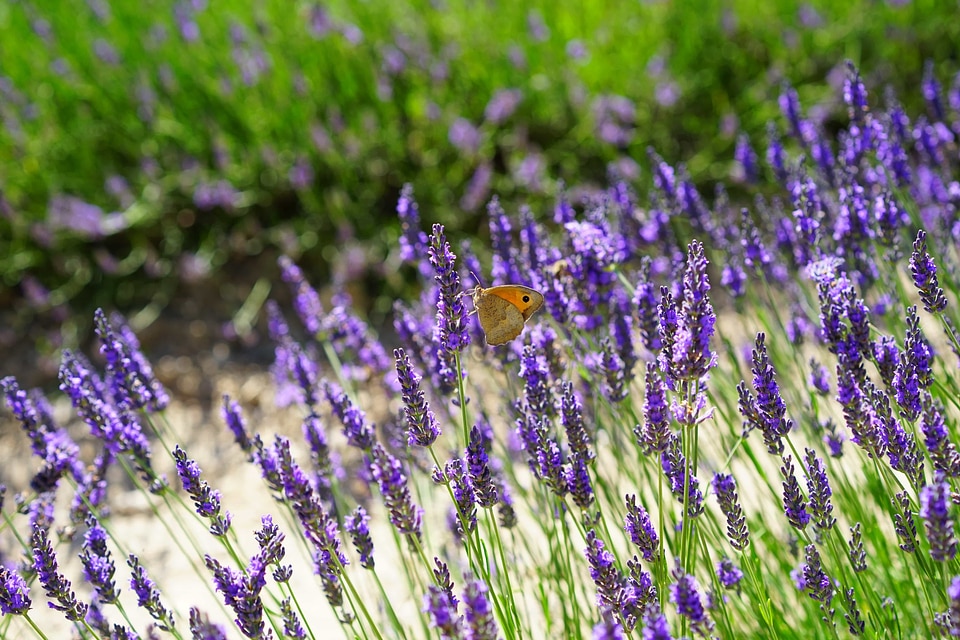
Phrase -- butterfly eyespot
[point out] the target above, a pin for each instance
(526, 298)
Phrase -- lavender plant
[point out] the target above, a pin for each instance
(556, 486)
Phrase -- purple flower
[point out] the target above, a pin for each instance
(726, 489)
(49, 442)
(413, 241)
(934, 509)
(728, 573)
(118, 429)
(615, 379)
(388, 472)
(358, 431)
(14, 593)
(790, 106)
(270, 540)
(536, 377)
(746, 157)
(481, 624)
(655, 433)
(689, 356)
(685, 594)
(464, 497)
(903, 522)
(853, 396)
(357, 525)
(914, 370)
(323, 465)
(319, 528)
(855, 622)
(360, 353)
(294, 372)
(478, 467)
(206, 500)
(607, 629)
(292, 627)
(924, 272)
(936, 437)
(645, 300)
(932, 92)
(241, 592)
(603, 569)
(443, 613)
(502, 105)
(464, 136)
(819, 377)
(886, 355)
(953, 592)
(855, 94)
(768, 411)
(129, 375)
(858, 557)
(571, 416)
(818, 488)
(793, 503)
(56, 586)
(655, 626)
(815, 581)
(641, 530)
(233, 416)
(450, 333)
(422, 427)
(306, 300)
(677, 471)
(578, 481)
(98, 567)
(549, 464)
(442, 578)
(902, 449)
(776, 157)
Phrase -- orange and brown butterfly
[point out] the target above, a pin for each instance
(504, 309)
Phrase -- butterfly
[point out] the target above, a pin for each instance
(504, 309)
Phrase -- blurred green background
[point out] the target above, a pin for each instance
(152, 150)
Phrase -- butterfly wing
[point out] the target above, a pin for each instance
(525, 299)
(501, 320)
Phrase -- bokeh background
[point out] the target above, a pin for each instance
(157, 157)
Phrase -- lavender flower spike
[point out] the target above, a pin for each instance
(13, 593)
(793, 503)
(98, 567)
(357, 525)
(57, 587)
(726, 489)
(953, 591)
(818, 487)
(685, 594)
(148, 596)
(478, 613)
(641, 530)
(934, 509)
(388, 472)
(241, 592)
(691, 356)
(131, 377)
(306, 299)
(924, 271)
(206, 500)
(443, 613)
(422, 425)
(452, 332)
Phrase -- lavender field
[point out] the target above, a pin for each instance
(735, 415)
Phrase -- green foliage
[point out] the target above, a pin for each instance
(174, 114)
